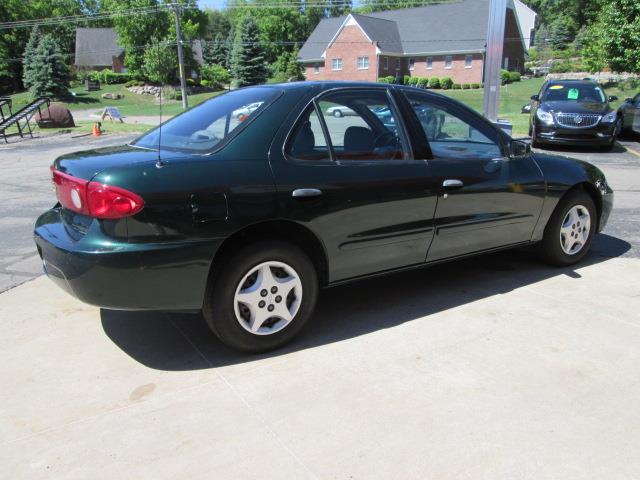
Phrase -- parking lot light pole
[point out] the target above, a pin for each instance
(493, 58)
(183, 79)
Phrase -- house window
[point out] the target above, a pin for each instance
(316, 68)
(429, 63)
(336, 64)
(505, 63)
(448, 61)
(468, 61)
(363, 63)
(412, 63)
(397, 64)
(385, 63)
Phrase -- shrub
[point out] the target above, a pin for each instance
(413, 81)
(134, 83)
(405, 80)
(514, 76)
(423, 83)
(446, 83)
(108, 77)
(475, 85)
(216, 74)
(466, 86)
(505, 77)
(434, 82)
(456, 86)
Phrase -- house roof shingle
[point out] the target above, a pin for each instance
(458, 26)
(96, 47)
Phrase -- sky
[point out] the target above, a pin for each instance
(211, 3)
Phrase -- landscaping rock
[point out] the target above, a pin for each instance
(55, 116)
(112, 96)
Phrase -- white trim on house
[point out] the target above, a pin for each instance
(468, 61)
(448, 62)
(365, 63)
(336, 64)
(348, 21)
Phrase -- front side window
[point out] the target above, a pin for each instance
(468, 61)
(209, 124)
(452, 137)
(448, 61)
(336, 64)
(429, 63)
(412, 63)
(362, 125)
(363, 63)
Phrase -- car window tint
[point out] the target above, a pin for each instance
(362, 126)
(449, 135)
(307, 140)
(203, 127)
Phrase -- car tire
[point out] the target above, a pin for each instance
(556, 251)
(535, 143)
(231, 320)
(337, 113)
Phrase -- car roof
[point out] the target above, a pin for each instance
(572, 82)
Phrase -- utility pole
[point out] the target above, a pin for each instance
(493, 59)
(183, 78)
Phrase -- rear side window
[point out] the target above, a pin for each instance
(208, 125)
(307, 141)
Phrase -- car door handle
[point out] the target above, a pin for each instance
(306, 192)
(452, 184)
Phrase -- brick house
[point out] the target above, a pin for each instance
(438, 40)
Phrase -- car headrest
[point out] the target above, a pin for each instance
(304, 141)
(358, 139)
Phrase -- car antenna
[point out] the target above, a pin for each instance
(159, 163)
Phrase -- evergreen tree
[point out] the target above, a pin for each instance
(217, 51)
(248, 56)
(45, 72)
(28, 56)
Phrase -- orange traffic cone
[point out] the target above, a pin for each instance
(96, 129)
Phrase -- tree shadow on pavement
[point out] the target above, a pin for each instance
(179, 342)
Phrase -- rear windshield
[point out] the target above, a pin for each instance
(209, 124)
(574, 93)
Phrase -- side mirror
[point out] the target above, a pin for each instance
(613, 98)
(535, 98)
(518, 148)
(526, 108)
(628, 100)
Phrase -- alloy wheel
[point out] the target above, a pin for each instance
(268, 298)
(575, 229)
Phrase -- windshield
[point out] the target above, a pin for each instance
(205, 126)
(574, 93)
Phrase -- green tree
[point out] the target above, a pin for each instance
(287, 68)
(615, 38)
(248, 57)
(160, 63)
(45, 72)
(562, 31)
(217, 51)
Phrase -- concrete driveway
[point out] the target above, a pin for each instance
(496, 367)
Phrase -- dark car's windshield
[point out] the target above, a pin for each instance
(204, 127)
(574, 93)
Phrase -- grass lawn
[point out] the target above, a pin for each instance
(513, 97)
(85, 127)
(131, 104)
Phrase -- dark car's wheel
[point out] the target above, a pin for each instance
(262, 296)
(570, 230)
(535, 143)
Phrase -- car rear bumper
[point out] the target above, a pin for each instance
(601, 134)
(120, 275)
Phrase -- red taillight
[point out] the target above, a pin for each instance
(95, 199)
